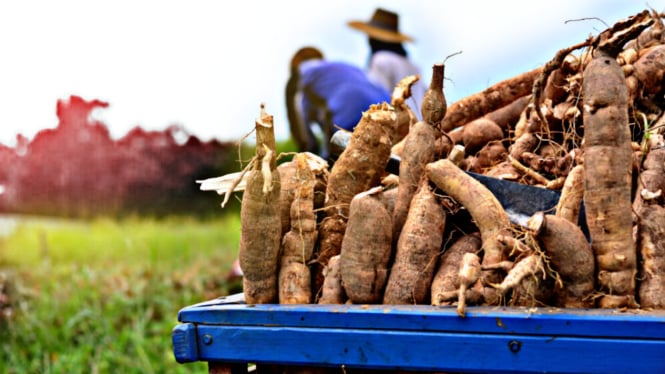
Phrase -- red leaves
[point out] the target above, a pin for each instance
(77, 169)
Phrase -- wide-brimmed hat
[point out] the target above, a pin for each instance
(383, 26)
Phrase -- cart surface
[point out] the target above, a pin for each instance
(227, 333)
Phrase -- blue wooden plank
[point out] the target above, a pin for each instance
(541, 321)
(423, 350)
(185, 346)
(489, 339)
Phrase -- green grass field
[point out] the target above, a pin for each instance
(102, 296)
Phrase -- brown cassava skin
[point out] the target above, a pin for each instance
(652, 35)
(529, 122)
(504, 170)
(607, 182)
(468, 275)
(533, 291)
(491, 154)
(445, 284)
(563, 165)
(294, 283)
(572, 194)
(488, 100)
(507, 116)
(288, 183)
(539, 85)
(360, 167)
(649, 70)
(298, 244)
(612, 41)
(555, 89)
(419, 148)
(417, 250)
(651, 231)
(260, 239)
(488, 214)
(332, 291)
(331, 234)
(389, 198)
(434, 106)
(477, 133)
(652, 175)
(405, 118)
(320, 189)
(456, 154)
(366, 248)
(261, 227)
(527, 142)
(456, 135)
(570, 256)
(528, 265)
(548, 161)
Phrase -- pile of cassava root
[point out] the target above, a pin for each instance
(589, 123)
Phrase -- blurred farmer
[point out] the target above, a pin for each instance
(389, 62)
(332, 95)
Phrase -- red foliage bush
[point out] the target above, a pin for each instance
(77, 169)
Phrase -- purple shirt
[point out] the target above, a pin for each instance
(343, 88)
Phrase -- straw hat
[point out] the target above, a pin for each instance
(383, 26)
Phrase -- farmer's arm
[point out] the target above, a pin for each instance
(300, 130)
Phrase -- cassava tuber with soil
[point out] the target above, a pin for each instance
(298, 243)
(366, 248)
(485, 209)
(419, 148)
(418, 248)
(332, 291)
(360, 167)
(607, 181)
(261, 227)
(446, 283)
(570, 256)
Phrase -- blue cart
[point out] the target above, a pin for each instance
(229, 334)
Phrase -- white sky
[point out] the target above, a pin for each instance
(207, 65)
